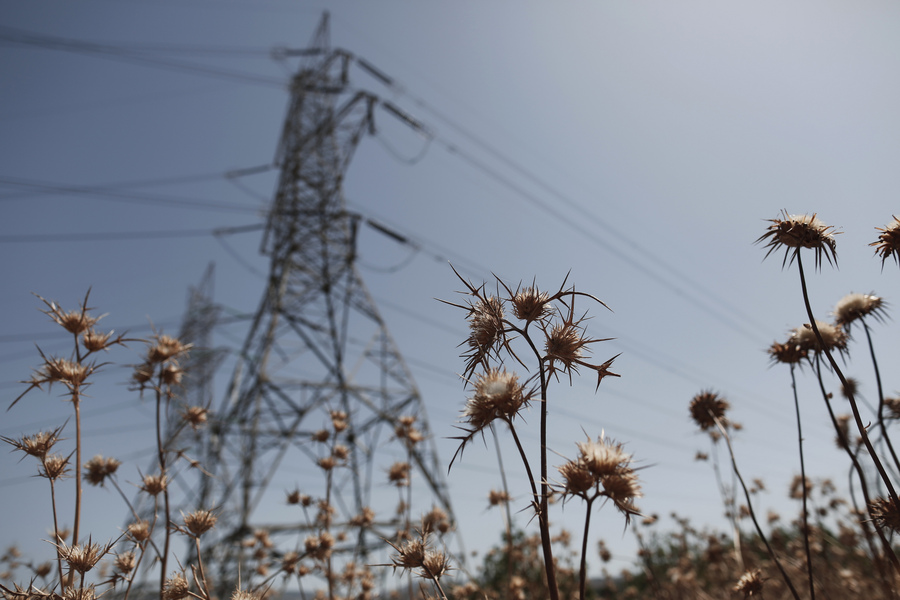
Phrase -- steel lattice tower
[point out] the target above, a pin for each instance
(316, 343)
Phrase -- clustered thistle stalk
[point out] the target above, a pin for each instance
(75, 559)
(543, 331)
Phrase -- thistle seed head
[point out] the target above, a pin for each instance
(37, 445)
(196, 416)
(165, 347)
(833, 337)
(398, 474)
(888, 243)
(497, 395)
(706, 407)
(154, 484)
(750, 583)
(856, 306)
(98, 469)
(530, 304)
(176, 588)
(139, 531)
(793, 232)
(54, 466)
(886, 514)
(200, 521)
(787, 353)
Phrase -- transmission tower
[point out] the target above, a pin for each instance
(315, 345)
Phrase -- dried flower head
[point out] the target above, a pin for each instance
(139, 531)
(398, 473)
(603, 457)
(706, 407)
(37, 445)
(239, 594)
(98, 469)
(833, 337)
(750, 583)
(793, 232)
(54, 466)
(94, 341)
(893, 405)
(497, 497)
(125, 562)
(74, 321)
(154, 484)
(888, 243)
(82, 557)
(498, 394)
(74, 593)
(886, 514)
(530, 304)
(856, 306)
(165, 347)
(176, 588)
(787, 353)
(196, 416)
(200, 521)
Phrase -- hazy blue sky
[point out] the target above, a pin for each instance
(637, 146)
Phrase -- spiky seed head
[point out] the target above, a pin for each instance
(893, 406)
(886, 514)
(165, 347)
(321, 436)
(73, 321)
(497, 395)
(411, 555)
(139, 531)
(603, 457)
(787, 353)
(578, 479)
(142, 373)
(888, 243)
(434, 565)
(77, 593)
(200, 521)
(37, 445)
(530, 304)
(364, 519)
(239, 594)
(833, 337)
(706, 407)
(94, 341)
(497, 497)
(82, 557)
(70, 373)
(340, 452)
(856, 306)
(289, 562)
(125, 562)
(750, 583)
(154, 484)
(99, 468)
(339, 420)
(435, 520)
(486, 323)
(565, 343)
(398, 473)
(171, 374)
(793, 232)
(176, 588)
(54, 466)
(623, 488)
(196, 416)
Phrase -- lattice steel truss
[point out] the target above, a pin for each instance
(316, 344)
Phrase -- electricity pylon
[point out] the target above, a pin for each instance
(316, 344)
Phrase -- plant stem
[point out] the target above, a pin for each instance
(850, 396)
(759, 530)
(809, 566)
(881, 424)
(582, 572)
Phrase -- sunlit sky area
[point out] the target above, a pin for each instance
(636, 148)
